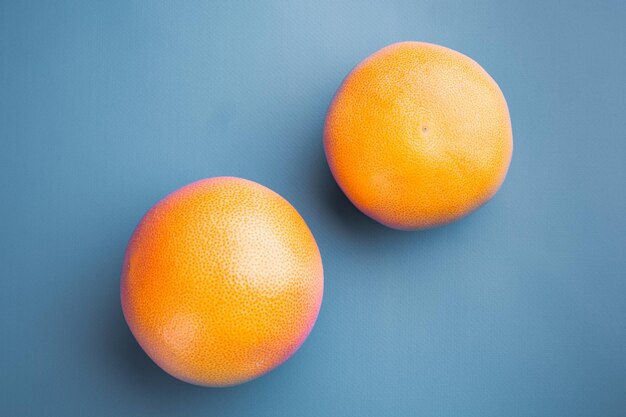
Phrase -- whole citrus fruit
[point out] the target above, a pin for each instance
(418, 135)
(222, 281)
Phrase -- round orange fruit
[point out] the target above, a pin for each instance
(222, 281)
(418, 135)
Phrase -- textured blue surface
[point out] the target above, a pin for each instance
(517, 310)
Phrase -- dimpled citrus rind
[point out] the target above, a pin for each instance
(418, 135)
(222, 282)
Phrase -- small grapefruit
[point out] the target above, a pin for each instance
(418, 135)
(222, 281)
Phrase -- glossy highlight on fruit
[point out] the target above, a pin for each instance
(418, 135)
(222, 281)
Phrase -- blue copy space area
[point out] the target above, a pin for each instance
(107, 106)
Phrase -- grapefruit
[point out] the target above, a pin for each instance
(222, 281)
(418, 135)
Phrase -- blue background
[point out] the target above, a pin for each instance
(517, 310)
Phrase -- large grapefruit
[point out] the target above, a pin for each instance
(222, 281)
